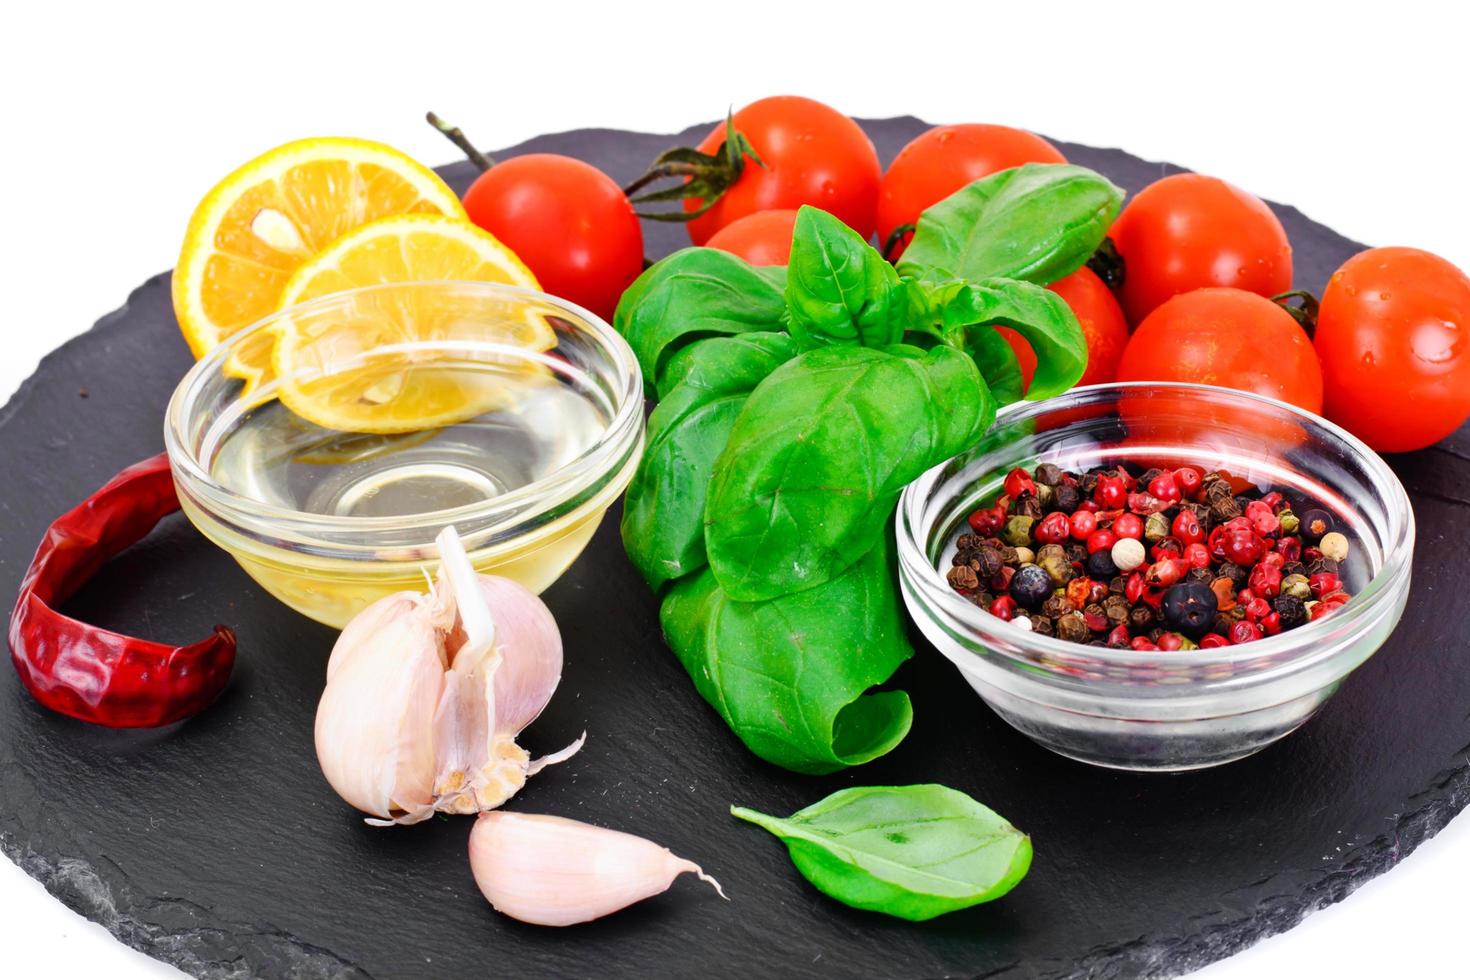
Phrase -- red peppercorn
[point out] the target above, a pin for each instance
(1212, 640)
(1171, 641)
(1166, 548)
(1275, 501)
(1241, 546)
(1154, 596)
(1262, 518)
(1197, 555)
(1162, 574)
(1334, 599)
(1271, 624)
(1323, 583)
(1166, 487)
(1079, 591)
(1018, 481)
(1146, 504)
(1265, 580)
(1310, 555)
(988, 520)
(1129, 526)
(1119, 637)
(1190, 481)
(1186, 527)
(1088, 505)
(1111, 492)
(1098, 592)
(1257, 609)
(1095, 621)
(1084, 522)
(1290, 548)
(1001, 580)
(1102, 538)
(1244, 596)
(1142, 643)
(1053, 529)
(1004, 607)
(1133, 588)
(1245, 632)
(1273, 558)
(1224, 593)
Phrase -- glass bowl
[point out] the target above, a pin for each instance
(1179, 710)
(538, 439)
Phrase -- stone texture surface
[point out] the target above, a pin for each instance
(216, 845)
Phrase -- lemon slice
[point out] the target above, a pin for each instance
(366, 369)
(260, 223)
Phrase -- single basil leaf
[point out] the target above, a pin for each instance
(791, 676)
(663, 513)
(1038, 222)
(819, 454)
(1039, 315)
(697, 292)
(839, 289)
(775, 273)
(910, 851)
(997, 362)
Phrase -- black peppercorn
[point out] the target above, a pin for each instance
(1066, 498)
(1057, 606)
(1314, 524)
(1088, 483)
(1200, 575)
(963, 578)
(967, 542)
(1118, 585)
(1030, 586)
(1149, 476)
(1100, 565)
(1048, 474)
(1321, 566)
(987, 562)
(1190, 608)
(1238, 576)
(1293, 568)
(1140, 618)
(1076, 552)
(1042, 625)
(1073, 627)
(1115, 607)
(1292, 610)
(1028, 506)
(983, 599)
(1224, 509)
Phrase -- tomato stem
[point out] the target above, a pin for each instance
(704, 176)
(1306, 313)
(456, 136)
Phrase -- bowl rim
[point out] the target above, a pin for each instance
(603, 457)
(1290, 650)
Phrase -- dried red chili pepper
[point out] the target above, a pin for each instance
(91, 673)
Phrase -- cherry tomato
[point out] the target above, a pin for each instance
(567, 220)
(1102, 325)
(1230, 338)
(813, 155)
(763, 238)
(939, 162)
(1394, 337)
(1189, 231)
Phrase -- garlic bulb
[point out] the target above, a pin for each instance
(426, 694)
(551, 871)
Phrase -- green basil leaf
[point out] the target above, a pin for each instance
(1039, 315)
(910, 851)
(819, 454)
(839, 289)
(697, 292)
(997, 362)
(791, 676)
(663, 513)
(1038, 222)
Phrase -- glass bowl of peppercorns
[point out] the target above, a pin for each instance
(1157, 576)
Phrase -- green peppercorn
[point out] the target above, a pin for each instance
(1045, 495)
(1073, 627)
(1297, 586)
(1058, 567)
(1018, 530)
(1048, 475)
(1155, 528)
(1290, 523)
(1185, 643)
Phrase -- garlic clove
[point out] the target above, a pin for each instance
(531, 652)
(552, 871)
(374, 725)
(368, 624)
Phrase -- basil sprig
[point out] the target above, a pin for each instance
(795, 404)
(909, 851)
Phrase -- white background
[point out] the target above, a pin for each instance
(119, 117)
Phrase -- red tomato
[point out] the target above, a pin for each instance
(1102, 325)
(1230, 338)
(763, 238)
(944, 159)
(568, 221)
(1394, 337)
(1189, 231)
(813, 155)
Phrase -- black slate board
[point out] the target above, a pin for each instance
(217, 846)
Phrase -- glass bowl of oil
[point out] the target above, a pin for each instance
(326, 446)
